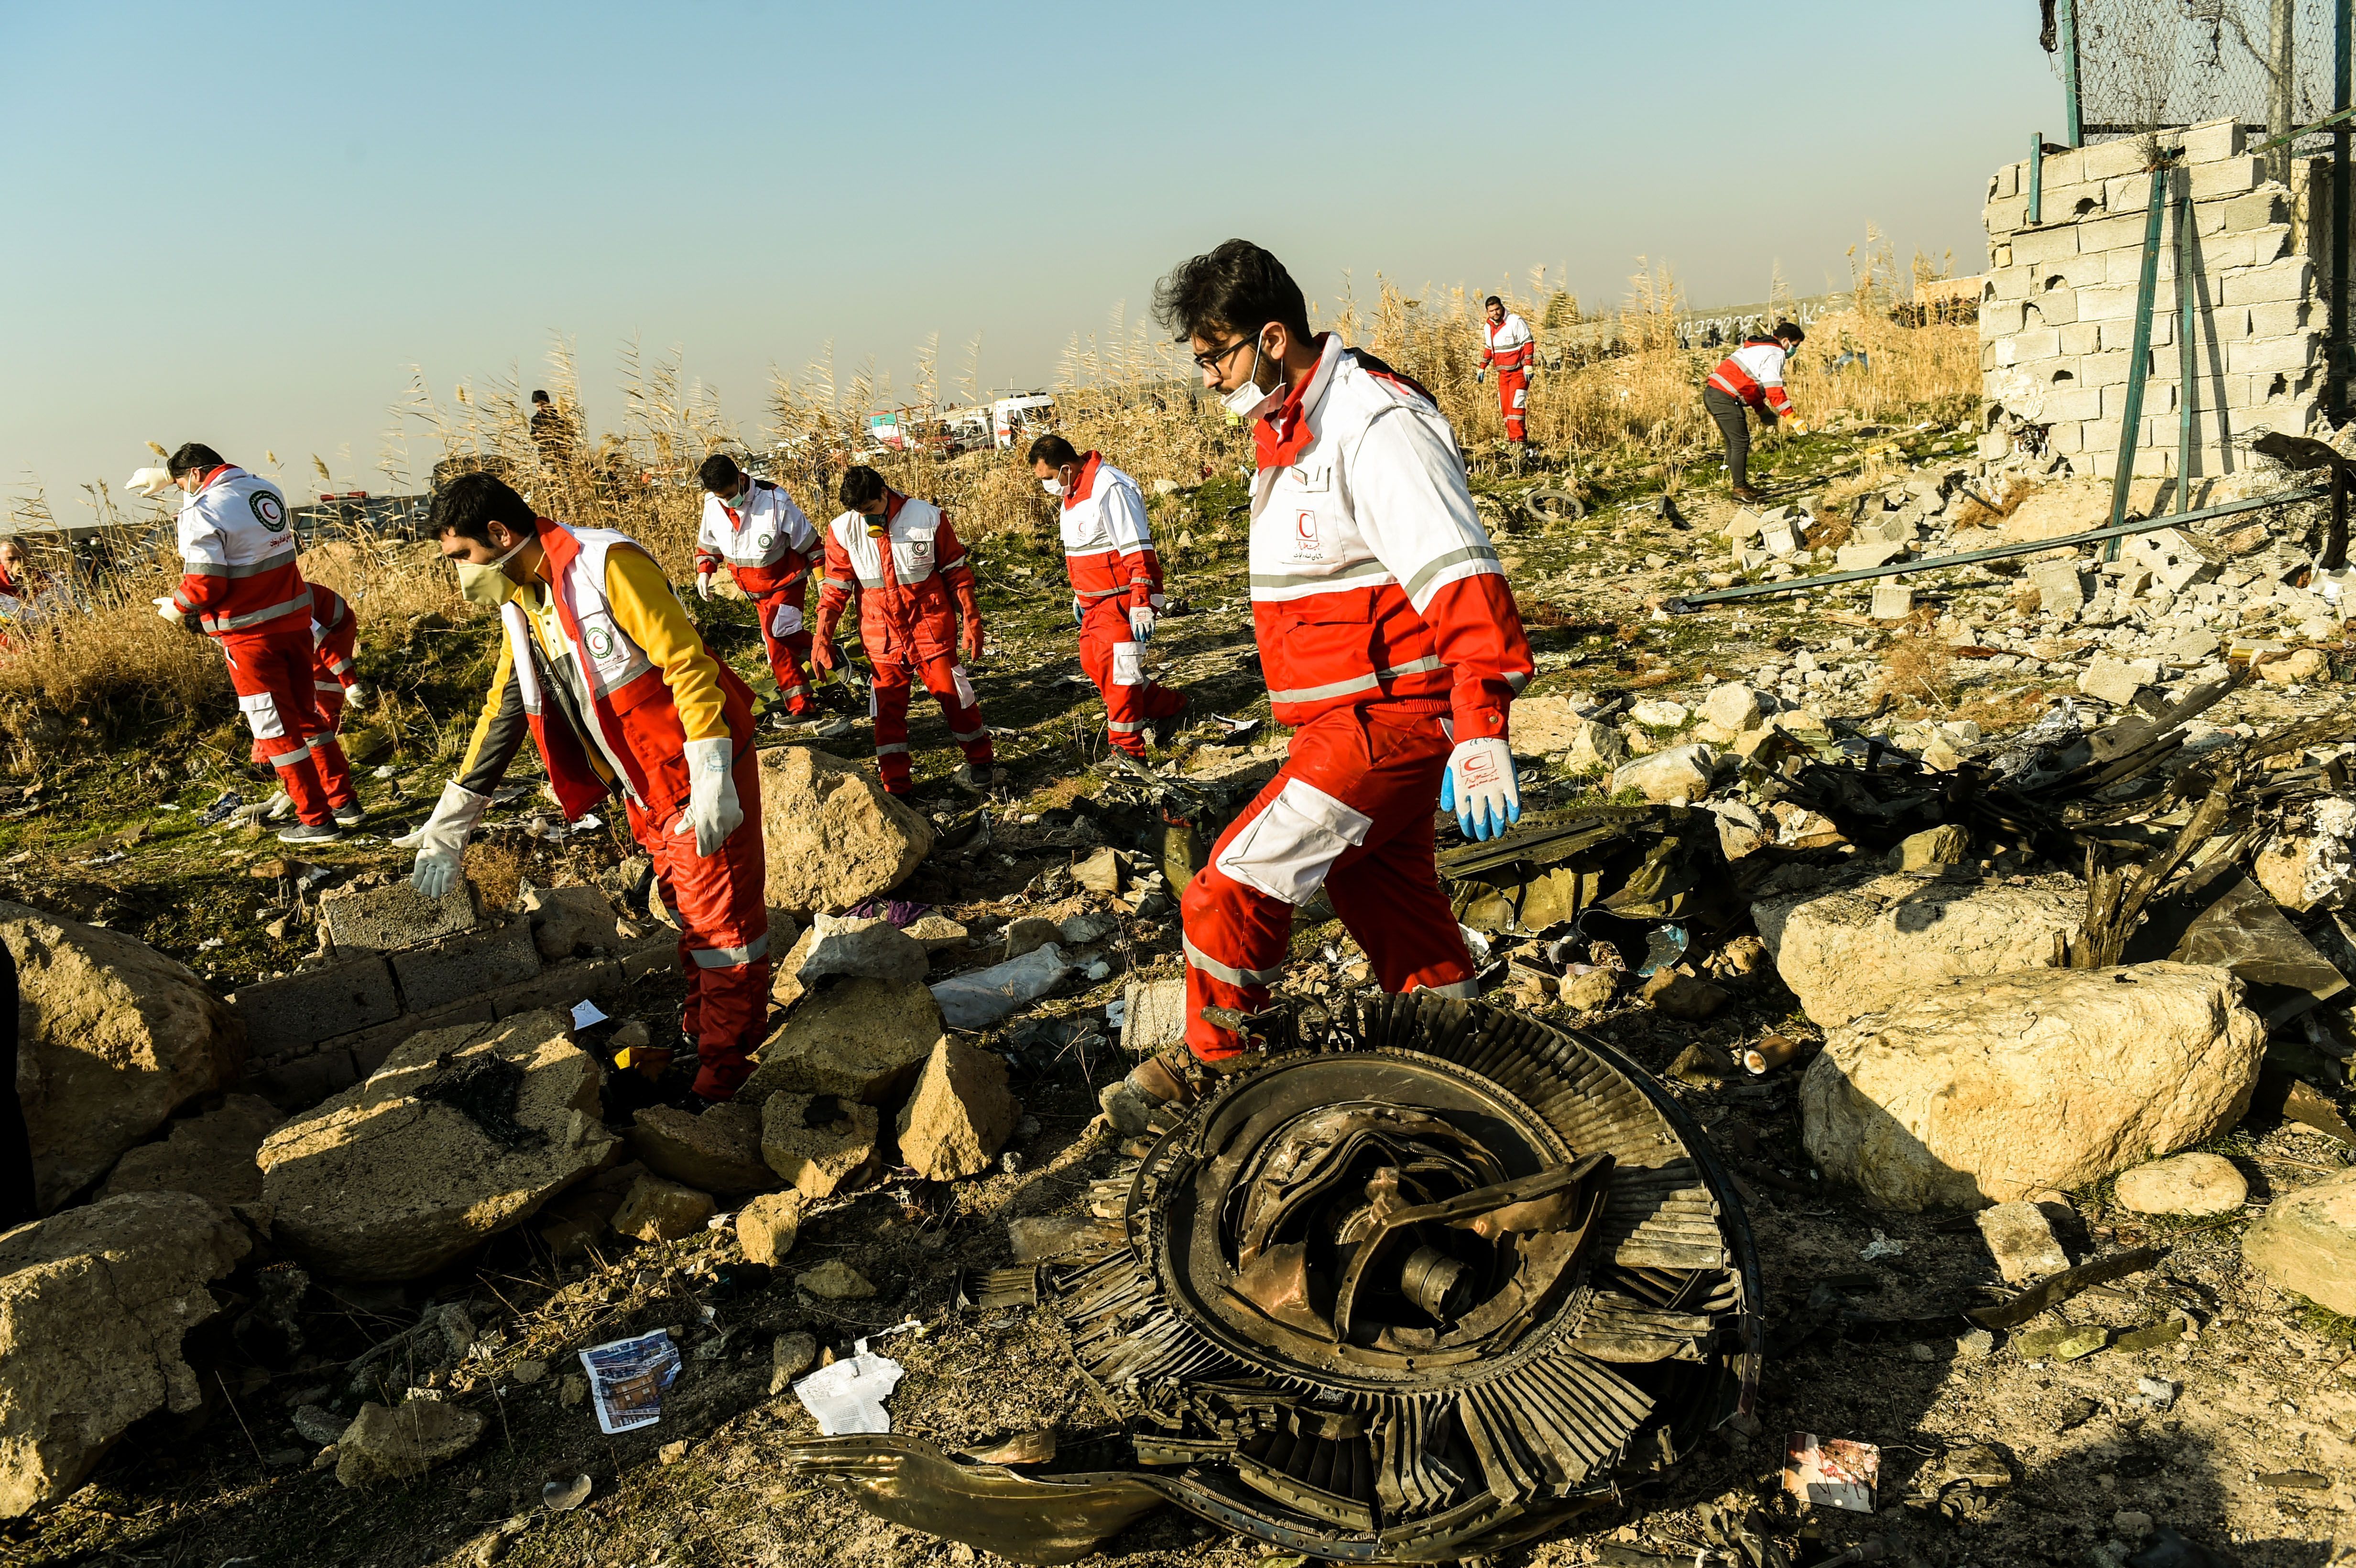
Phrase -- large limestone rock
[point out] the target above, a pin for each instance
(863, 1040)
(832, 835)
(210, 1156)
(819, 1143)
(93, 1306)
(1988, 1091)
(1847, 951)
(961, 1115)
(1673, 777)
(2307, 1242)
(113, 1037)
(2199, 1184)
(718, 1150)
(462, 1133)
(569, 920)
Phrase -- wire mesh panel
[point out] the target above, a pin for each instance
(2146, 65)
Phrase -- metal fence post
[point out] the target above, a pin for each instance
(2343, 29)
(2036, 177)
(2065, 14)
(2137, 368)
(2187, 296)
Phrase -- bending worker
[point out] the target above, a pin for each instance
(754, 528)
(1116, 589)
(1391, 642)
(602, 665)
(335, 678)
(243, 588)
(1510, 350)
(902, 561)
(1750, 378)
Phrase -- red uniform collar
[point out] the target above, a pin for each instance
(1086, 482)
(1280, 435)
(215, 474)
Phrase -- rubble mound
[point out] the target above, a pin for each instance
(114, 1037)
(461, 1132)
(2044, 1078)
(831, 835)
(94, 1303)
(1427, 1291)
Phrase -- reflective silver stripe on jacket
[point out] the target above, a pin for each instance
(255, 617)
(1218, 971)
(1350, 573)
(1101, 592)
(1453, 558)
(251, 569)
(1358, 683)
(728, 957)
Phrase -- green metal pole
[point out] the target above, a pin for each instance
(2131, 417)
(2066, 14)
(2343, 27)
(2036, 177)
(2187, 296)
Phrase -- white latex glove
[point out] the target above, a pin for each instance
(1478, 376)
(170, 612)
(1140, 622)
(357, 696)
(443, 839)
(1479, 787)
(712, 812)
(704, 585)
(148, 482)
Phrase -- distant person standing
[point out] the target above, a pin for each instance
(1750, 378)
(1513, 352)
(753, 527)
(1116, 589)
(551, 431)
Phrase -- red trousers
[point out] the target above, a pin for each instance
(724, 932)
(897, 674)
(326, 751)
(788, 648)
(1351, 812)
(271, 675)
(1115, 663)
(1513, 395)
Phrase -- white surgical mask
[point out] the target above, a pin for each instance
(1248, 399)
(483, 584)
(1052, 486)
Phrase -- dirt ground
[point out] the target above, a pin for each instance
(2238, 1431)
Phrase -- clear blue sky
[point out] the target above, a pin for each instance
(243, 224)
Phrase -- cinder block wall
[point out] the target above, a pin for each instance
(2057, 315)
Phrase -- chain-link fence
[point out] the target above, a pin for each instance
(2146, 65)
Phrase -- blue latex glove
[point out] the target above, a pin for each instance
(1079, 611)
(1479, 787)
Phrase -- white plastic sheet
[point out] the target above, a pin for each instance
(981, 998)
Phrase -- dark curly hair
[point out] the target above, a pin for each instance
(1238, 288)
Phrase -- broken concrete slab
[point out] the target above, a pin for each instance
(859, 948)
(210, 1156)
(397, 1442)
(2060, 586)
(863, 1040)
(569, 920)
(1153, 1015)
(1678, 775)
(456, 968)
(658, 1210)
(1028, 935)
(2116, 681)
(1995, 1088)
(1933, 849)
(2021, 1239)
(717, 1150)
(113, 1037)
(93, 1304)
(2197, 1184)
(819, 1144)
(286, 1016)
(389, 918)
(961, 1115)
(2306, 1243)
(462, 1133)
(768, 1225)
(1102, 872)
(1892, 601)
(832, 837)
(1853, 948)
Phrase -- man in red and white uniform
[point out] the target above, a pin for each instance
(754, 528)
(903, 561)
(1513, 352)
(243, 588)
(1750, 378)
(1388, 637)
(1116, 589)
(335, 678)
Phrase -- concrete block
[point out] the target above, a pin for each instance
(2257, 356)
(369, 1047)
(2009, 181)
(2127, 193)
(2116, 683)
(2034, 246)
(2175, 559)
(299, 1084)
(386, 919)
(467, 966)
(2113, 302)
(2005, 216)
(2072, 203)
(2157, 399)
(2054, 307)
(2064, 168)
(2073, 271)
(2226, 177)
(285, 1016)
(2271, 243)
(1871, 553)
(2074, 403)
(2068, 437)
(2099, 435)
(2118, 336)
(2208, 217)
(1893, 601)
(2000, 253)
(559, 987)
(2109, 160)
(2258, 209)
(2119, 231)
(2108, 368)
(1999, 318)
(2212, 141)
(2032, 344)
(2280, 318)
(2060, 586)
(2012, 281)
(2126, 267)
(2080, 337)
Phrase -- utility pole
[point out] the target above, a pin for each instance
(2281, 100)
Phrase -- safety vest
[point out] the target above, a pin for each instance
(908, 593)
(630, 706)
(1372, 578)
(1108, 543)
(1510, 346)
(765, 545)
(239, 552)
(1753, 374)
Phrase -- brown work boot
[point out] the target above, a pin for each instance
(1747, 495)
(1174, 1078)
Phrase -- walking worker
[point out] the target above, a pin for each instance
(1513, 352)
(242, 587)
(335, 681)
(1750, 378)
(1390, 643)
(1116, 589)
(754, 528)
(603, 668)
(901, 559)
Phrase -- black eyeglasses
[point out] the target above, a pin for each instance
(1218, 357)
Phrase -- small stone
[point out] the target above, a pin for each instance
(314, 1425)
(1657, 713)
(2156, 1393)
(833, 1280)
(1028, 934)
(572, 1390)
(2021, 1238)
(1595, 748)
(1702, 1064)
(1681, 996)
(960, 1114)
(527, 1373)
(393, 1443)
(1977, 1346)
(2197, 1184)
(819, 1143)
(1590, 992)
(937, 932)
(1934, 849)
(1732, 708)
(1101, 872)
(768, 1225)
(2306, 1243)
(658, 1210)
(2131, 1524)
(790, 1355)
(672, 1453)
(563, 1497)
(1680, 774)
